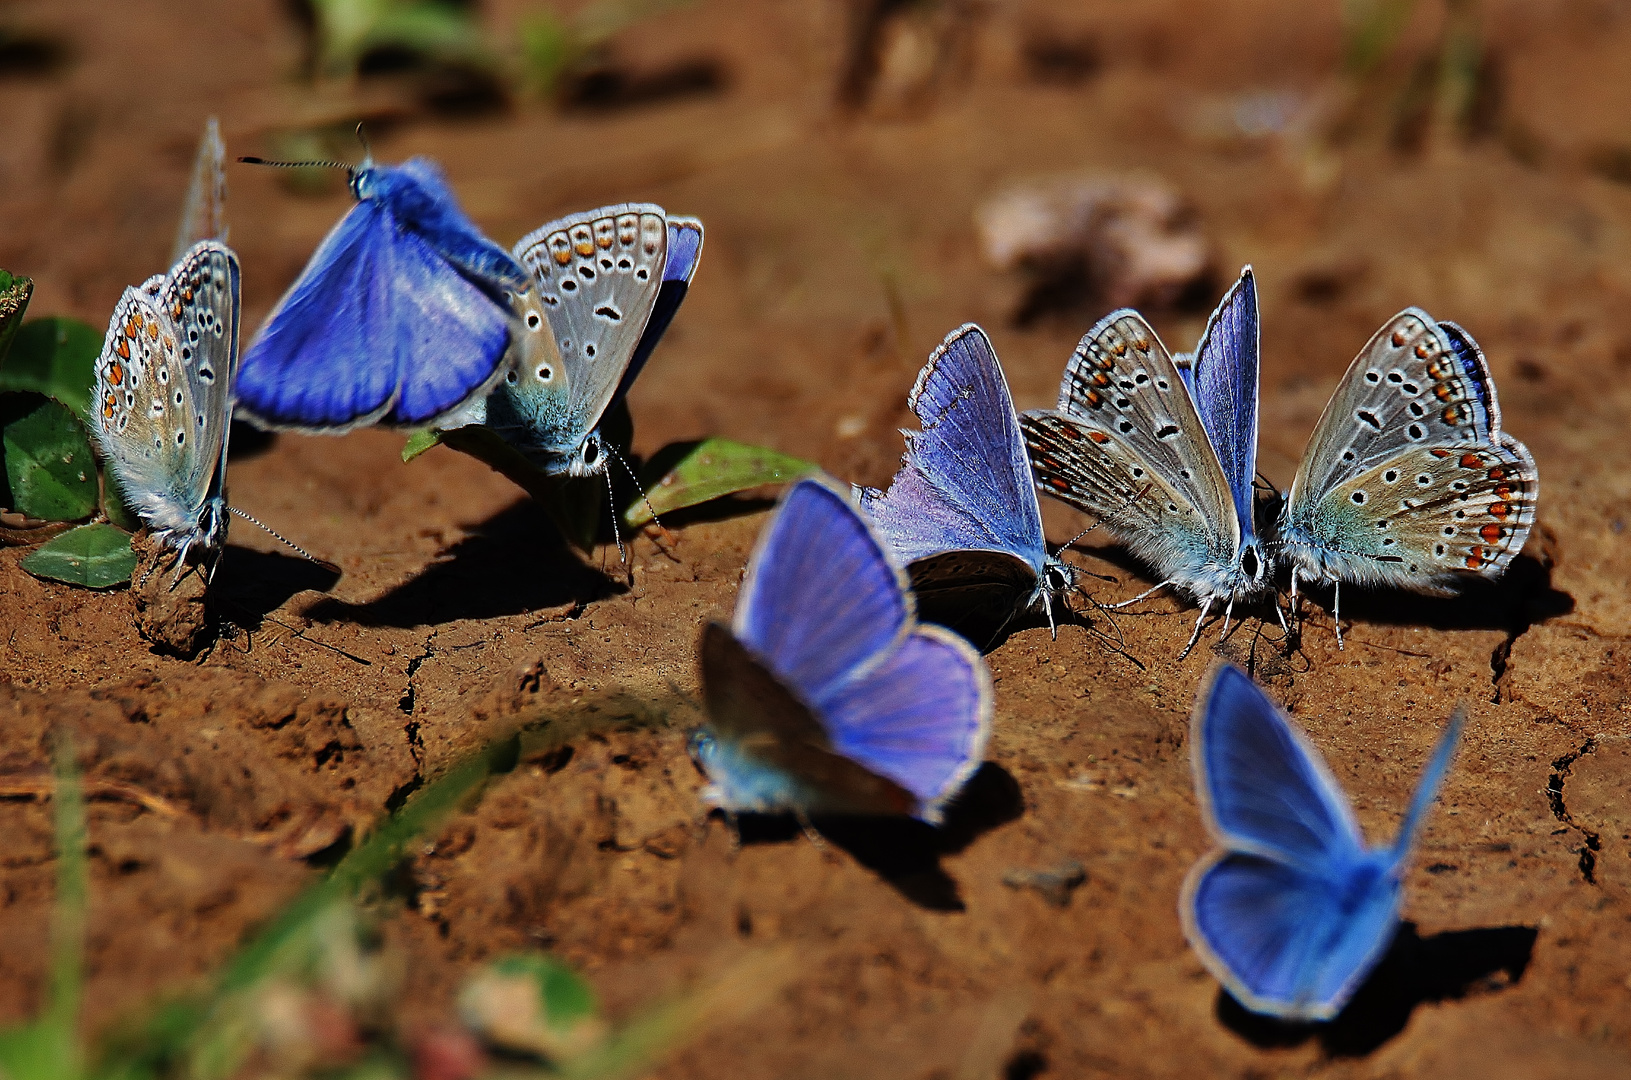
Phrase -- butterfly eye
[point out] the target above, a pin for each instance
(591, 452)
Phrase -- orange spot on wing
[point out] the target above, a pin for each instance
(116, 373)
(1098, 437)
(1422, 351)
(1101, 379)
(563, 255)
(1094, 399)
(1497, 473)
(123, 348)
(1490, 533)
(1442, 392)
(1499, 510)
(1399, 339)
(1058, 484)
(1470, 461)
(1475, 558)
(1439, 452)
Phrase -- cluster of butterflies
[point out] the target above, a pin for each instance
(406, 316)
(826, 694)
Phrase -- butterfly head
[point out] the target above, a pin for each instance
(589, 459)
(1254, 566)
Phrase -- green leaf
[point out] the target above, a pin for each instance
(93, 556)
(114, 504)
(687, 474)
(419, 442)
(565, 997)
(56, 357)
(49, 466)
(14, 295)
(48, 1048)
(548, 48)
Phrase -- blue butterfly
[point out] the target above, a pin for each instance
(1293, 910)
(825, 695)
(608, 283)
(962, 511)
(1164, 456)
(402, 316)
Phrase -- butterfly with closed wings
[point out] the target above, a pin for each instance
(163, 400)
(962, 511)
(608, 282)
(1408, 480)
(1166, 470)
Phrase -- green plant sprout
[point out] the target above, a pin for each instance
(1444, 91)
(555, 47)
(439, 31)
(313, 950)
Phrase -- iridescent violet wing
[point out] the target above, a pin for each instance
(1264, 789)
(965, 481)
(826, 615)
(401, 316)
(1224, 383)
(1286, 942)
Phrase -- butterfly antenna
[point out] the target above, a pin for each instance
(641, 488)
(296, 164)
(617, 534)
(362, 137)
(280, 538)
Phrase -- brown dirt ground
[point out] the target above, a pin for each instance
(840, 250)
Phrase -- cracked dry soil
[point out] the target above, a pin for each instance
(839, 252)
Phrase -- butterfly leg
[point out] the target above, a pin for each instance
(1143, 595)
(1336, 610)
(1228, 613)
(1196, 636)
(809, 830)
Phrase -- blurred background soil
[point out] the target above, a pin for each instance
(838, 156)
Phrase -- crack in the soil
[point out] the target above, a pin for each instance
(416, 742)
(1554, 796)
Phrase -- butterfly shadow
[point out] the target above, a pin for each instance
(513, 563)
(1522, 597)
(903, 851)
(1416, 970)
(252, 584)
